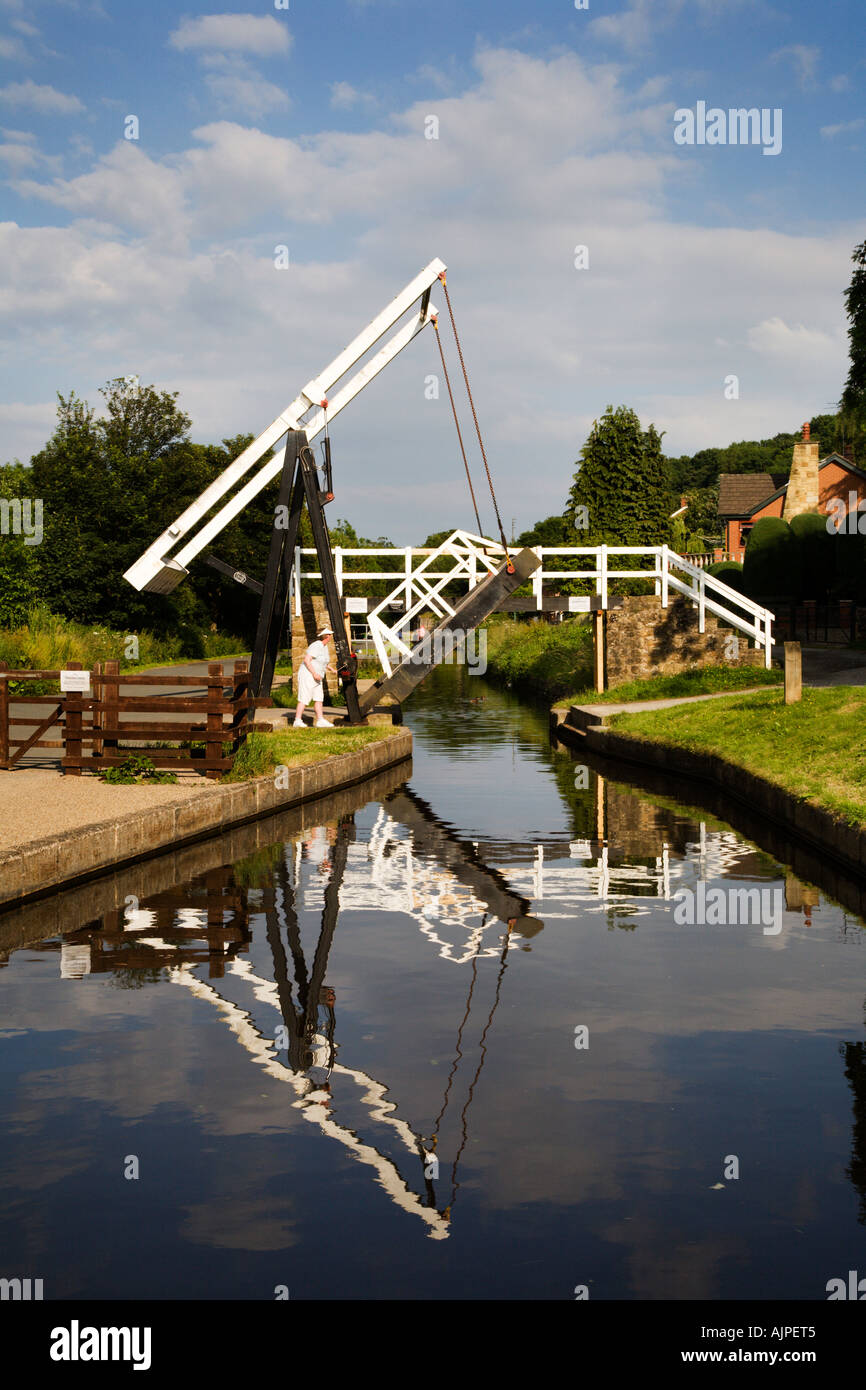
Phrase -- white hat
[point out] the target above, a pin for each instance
(325, 632)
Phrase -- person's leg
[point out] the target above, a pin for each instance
(319, 707)
(299, 721)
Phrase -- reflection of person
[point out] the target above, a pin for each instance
(310, 676)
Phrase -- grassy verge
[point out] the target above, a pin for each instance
(540, 658)
(700, 680)
(262, 753)
(49, 643)
(813, 749)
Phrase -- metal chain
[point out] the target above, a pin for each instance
(457, 423)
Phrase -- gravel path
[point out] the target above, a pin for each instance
(41, 804)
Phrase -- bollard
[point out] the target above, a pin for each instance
(793, 673)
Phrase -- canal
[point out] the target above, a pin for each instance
(500, 1031)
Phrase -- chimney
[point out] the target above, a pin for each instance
(802, 492)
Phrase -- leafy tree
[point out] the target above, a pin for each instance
(853, 400)
(622, 482)
(553, 530)
(18, 553)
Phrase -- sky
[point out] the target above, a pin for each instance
(305, 125)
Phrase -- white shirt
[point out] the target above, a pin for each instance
(318, 654)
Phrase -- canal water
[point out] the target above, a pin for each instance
(455, 1037)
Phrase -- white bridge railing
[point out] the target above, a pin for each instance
(420, 584)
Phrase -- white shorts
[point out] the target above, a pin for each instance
(309, 689)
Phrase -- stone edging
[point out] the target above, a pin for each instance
(845, 843)
(33, 870)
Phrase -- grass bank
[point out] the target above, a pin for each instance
(813, 749)
(700, 680)
(48, 642)
(540, 659)
(263, 753)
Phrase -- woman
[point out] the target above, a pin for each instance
(310, 676)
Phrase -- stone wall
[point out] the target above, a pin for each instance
(643, 639)
(314, 614)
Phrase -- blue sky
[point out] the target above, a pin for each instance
(305, 126)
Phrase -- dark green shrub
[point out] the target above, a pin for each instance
(817, 554)
(772, 568)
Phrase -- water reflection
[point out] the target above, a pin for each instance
(356, 1021)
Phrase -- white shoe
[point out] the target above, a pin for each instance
(299, 724)
(324, 724)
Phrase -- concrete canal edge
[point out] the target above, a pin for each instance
(844, 843)
(42, 867)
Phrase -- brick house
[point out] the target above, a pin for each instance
(813, 484)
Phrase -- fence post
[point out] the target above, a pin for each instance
(214, 733)
(4, 718)
(601, 575)
(702, 601)
(73, 702)
(664, 563)
(793, 673)
(98, 692)
(297, 581)
(538, 578)
(246, 714)
(110, 704)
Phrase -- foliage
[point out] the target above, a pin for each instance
(260, 754)
(853, 401)
(771, 564)
(553, 530)
(698, 680)
(817, 554)
(813, 748)
(18, 559)
(136, 769)
(45, 641)
(543, 659)
(622, 482)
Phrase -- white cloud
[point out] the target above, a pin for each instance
(775, 338)
(168, 264)
(12, 49)
(344, 96)
(40, 98)
(237, 87)
(235, 33)
(840, 83)
(844, 128)
(803, 58)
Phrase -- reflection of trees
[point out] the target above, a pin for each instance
(854, 1054)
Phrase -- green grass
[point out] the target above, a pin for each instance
(700, 680)
(262, 753)
(814, 749)
(539, 658)
(48, 642)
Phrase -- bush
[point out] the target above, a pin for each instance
(771, 567)
(817, 554)
(547, 659)
(730, 573)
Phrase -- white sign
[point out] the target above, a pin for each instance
(578, 603)
(355, 605)
(74, 682)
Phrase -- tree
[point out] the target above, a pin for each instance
(622, 482)
(771, 565)
(18, 551)
(853, 400)
(553, 530)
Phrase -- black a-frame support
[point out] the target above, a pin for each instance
(299, 482)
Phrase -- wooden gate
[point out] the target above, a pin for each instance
(102, 728)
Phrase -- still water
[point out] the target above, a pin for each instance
(440, 1038)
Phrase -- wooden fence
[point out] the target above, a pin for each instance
(102, 728)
